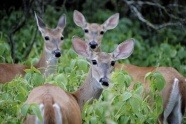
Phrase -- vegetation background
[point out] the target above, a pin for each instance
(159, 28)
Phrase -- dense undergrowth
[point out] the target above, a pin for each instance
(117, 103)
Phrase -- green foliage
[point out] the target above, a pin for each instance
(118, 104)
(164, 54)
(32, 109)
(34, 77)
(12, 96)
(5, 55)
(157, 82)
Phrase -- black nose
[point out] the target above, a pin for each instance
(93, 44)
(57, 53)
(104, 81)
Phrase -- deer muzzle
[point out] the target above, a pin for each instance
(57, 53)
(104, 81)
(93, 44)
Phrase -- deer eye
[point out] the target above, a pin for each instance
(94, 62)
(62, 38)
(47, 38)
(102, 32)
(112, 63)
(86, 30)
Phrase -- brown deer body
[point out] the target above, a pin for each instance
(173, 94)
(56, 105)
(53, 40)
(59, 106)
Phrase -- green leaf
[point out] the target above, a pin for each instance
(126, 96)
(37, 79)
(148, 75)
(124, 120)
(82, 64)
(173, 53)
(6, 96)
(127, 80)
(23, 90)
(159, 101)
(93, 120)
(35, 70)
(72, 63)
(61, 78)
(138, 97)
(24, 109)
(135, 105)
(28, 75)
(21, 97)
(28, 70)
(120, 78)
(2, 49)
(139, 90)
(34, 61)
(36, 110)
(160, 81)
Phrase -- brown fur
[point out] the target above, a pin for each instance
(94, 29)
(71, 104)
(9, 71)
(49, 94)
(169, 73)
(49, 115)
(88, 90)
(138, 73)
(101, 70)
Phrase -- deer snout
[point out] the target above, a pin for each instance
(93, 44)
(104, 81)
(57, 53)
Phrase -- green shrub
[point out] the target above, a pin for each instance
(117, 104)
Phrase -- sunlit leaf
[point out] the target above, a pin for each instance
(126, 95)
(36, 110)
(24, 109)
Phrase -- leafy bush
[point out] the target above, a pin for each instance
(12, 97)
(117, 104)
(5, 55)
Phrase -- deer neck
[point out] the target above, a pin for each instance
(88, 91)
(47, 63)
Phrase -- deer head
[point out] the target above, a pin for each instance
(101, 63)
(53, 37)
(93, 31)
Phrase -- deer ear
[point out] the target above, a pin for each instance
(80, 47)
(62, 22)
(41, 25)
(124, 49)
(111, 22)
(79, 19)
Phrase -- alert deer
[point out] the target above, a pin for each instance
(53, 40)
(173, 94)
(58, 106)
(93, 31)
